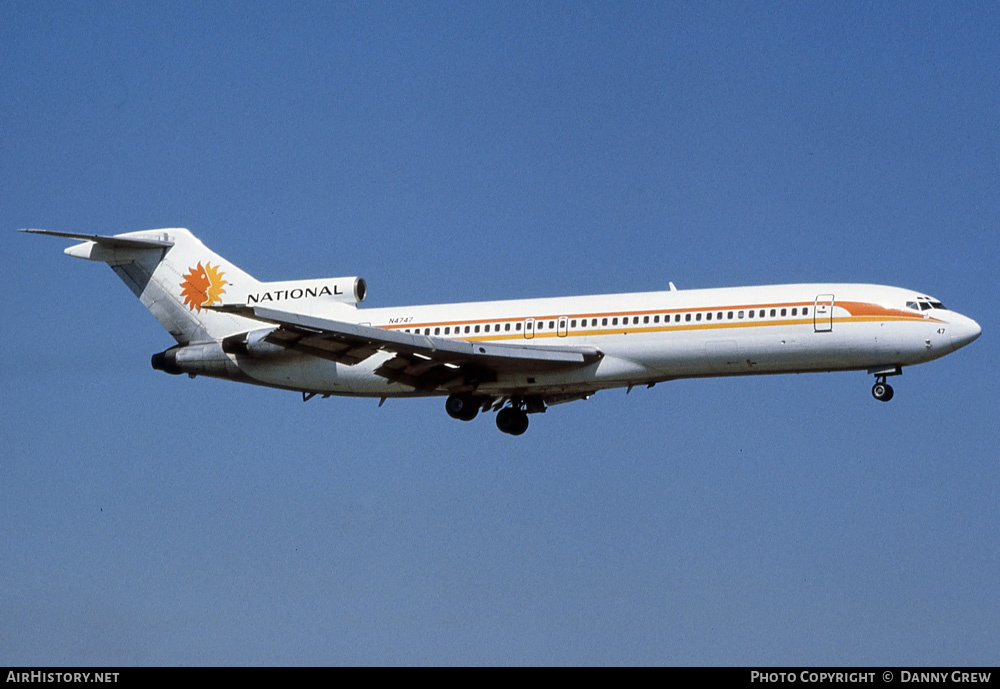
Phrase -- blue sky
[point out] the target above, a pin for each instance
(457, 151)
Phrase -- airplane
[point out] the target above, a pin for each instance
(514, 357)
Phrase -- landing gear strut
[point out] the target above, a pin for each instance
(882, 391)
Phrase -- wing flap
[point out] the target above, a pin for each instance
(429, 375)
(341, 351)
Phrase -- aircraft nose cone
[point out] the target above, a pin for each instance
(963, 331)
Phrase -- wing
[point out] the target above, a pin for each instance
(421, 361)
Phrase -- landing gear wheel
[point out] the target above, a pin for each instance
(461, 407)
(882, 392)
(512, 421)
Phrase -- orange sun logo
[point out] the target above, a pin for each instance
(202, 286)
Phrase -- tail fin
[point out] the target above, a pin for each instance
(174, 275)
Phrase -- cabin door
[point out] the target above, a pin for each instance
(823, 313)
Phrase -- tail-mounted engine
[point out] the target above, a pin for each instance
(206, 359)
(304, 293)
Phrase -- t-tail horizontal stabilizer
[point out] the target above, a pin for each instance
(111, 242)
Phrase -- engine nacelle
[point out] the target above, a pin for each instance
(206, 359)
(307, 293)
(253, 344)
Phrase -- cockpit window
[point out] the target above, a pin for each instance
(925, 304)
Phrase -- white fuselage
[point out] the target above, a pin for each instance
(656, 336)
(513, 357)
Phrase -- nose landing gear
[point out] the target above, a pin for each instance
(882, 391)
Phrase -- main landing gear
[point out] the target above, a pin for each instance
(512, 419)
(462, 407)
